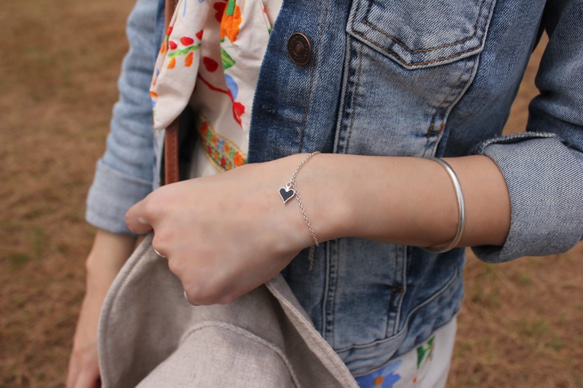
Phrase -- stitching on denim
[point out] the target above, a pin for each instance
(444, 102)
(394, 289)
(312, 78)
(398, 58)
(333, 301)
(480, 15)
(353, 99)
(426, 147)
(327, 280)
(514, 136)
(404, 249)
(343, 100)
(444, 289)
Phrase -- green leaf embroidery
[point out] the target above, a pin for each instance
(227, 60)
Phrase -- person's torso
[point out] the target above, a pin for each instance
(384, 77)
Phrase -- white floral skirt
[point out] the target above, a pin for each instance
(426, 366)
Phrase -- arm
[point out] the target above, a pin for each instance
(227, 234)
(543, 167)
(107, 256)
(124, 175)
(122, 178)
(528, 201)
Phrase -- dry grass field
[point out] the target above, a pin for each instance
(521, 323)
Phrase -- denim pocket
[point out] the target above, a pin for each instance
(422, 33)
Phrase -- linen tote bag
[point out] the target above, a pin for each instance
(150, 336)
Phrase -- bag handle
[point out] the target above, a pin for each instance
(171, 171)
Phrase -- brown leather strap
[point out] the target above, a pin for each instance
(169, 8)
(171, 171)
(171, 174)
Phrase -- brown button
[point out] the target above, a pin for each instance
(299, 49)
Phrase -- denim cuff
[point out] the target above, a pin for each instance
(545, 183)
(110, 196)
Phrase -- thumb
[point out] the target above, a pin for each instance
(137, 220)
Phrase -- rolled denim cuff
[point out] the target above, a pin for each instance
(110, 196)
(545, 183)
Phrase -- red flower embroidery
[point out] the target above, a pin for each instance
(220, 8)
(210, 64)
(186, 41)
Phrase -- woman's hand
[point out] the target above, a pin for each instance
(227, 234)
(108, 254)
(83, 364)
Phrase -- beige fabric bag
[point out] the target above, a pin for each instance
(149, 336)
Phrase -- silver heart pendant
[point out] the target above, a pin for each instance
(286, 193)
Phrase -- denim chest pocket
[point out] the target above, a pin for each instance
(408, 63)
(422, 33)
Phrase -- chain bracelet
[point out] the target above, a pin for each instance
(289, 191)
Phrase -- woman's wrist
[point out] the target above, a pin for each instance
(403, 200)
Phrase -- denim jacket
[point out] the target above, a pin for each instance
(411, 77)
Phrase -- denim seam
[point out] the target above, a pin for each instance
(397, 41)
(330, 294)
(398, 57)
(446, 103)
(515, 136)
(394, 295)
(342, 100)
(312, 78)
(353, 99)
(394, 290)
(445, 288)
(329, 248)
(403, 287)
(472, 73)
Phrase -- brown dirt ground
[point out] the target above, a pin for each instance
(521, 324)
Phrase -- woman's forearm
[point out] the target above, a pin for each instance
(405, 200)
(108, 254)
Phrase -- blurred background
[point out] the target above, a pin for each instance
(521, 324)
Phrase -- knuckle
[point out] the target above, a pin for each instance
(204, 294)
(152, 206)
(176, 267)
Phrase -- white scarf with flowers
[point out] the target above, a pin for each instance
(210, 58)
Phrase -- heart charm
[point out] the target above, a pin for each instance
(286, 193)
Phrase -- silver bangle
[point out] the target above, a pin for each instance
(289, 191)
(461, 208)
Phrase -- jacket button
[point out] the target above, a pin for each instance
(299, 49)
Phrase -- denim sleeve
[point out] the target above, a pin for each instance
(124, 174)
(543, 167)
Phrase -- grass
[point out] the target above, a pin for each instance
(521, 323)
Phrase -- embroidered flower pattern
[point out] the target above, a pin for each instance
(425, 352)
(184, 47)
(385, 377)
(231, 21)
(206, 74)
(224, 154)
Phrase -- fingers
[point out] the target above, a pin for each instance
(83, 369)
(138, 219)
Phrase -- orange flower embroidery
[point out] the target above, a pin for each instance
(231, 21)
(188, 60)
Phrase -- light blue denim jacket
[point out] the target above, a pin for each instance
(410, 77)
